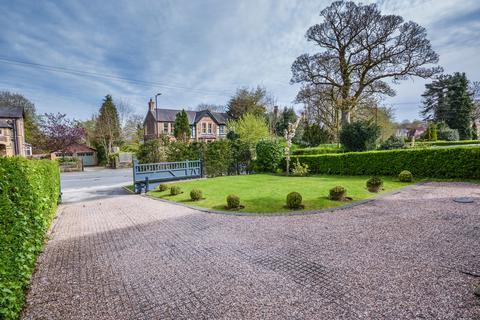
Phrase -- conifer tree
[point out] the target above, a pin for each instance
(107, 127)
(181, 131)
(448, 99)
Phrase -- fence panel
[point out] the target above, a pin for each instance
(145, 173)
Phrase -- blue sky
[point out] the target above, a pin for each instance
(194, 51)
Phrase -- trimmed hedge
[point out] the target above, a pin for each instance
(455, 162)
(323, 149)
(446, 143)
(269, 155)
(28, 199)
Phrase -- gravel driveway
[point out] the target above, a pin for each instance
(411, 255)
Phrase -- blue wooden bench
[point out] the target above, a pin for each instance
(144, 174)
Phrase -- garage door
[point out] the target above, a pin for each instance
(87, 158)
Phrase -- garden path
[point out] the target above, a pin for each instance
(410, 255)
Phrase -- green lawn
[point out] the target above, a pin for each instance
(267, 193)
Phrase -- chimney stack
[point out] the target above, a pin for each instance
(151, 105)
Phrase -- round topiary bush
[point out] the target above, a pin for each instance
(174, 190)
(162, 187)
(337, 193)
(233, 202)
(196, 194)
(405, 176)
(294, 200)
(374, 184)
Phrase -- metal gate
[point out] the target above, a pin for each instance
(87, 158)
(143, 174)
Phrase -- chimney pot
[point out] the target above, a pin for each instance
(151, 105)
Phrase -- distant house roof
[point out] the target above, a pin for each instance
(417, 132)
(76, 148)
(11, 112)
(168, 115)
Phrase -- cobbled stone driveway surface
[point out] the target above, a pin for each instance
(411, 255)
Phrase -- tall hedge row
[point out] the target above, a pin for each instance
(456, 162)
(318, 150)
(28, 199)
(446, 143)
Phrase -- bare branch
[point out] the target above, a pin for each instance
(362, 49)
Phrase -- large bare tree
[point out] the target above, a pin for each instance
(362, 49)
(319, 106)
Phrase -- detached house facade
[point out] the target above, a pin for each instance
(204, 125)
(12, 132)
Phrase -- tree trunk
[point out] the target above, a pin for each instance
(345, 117)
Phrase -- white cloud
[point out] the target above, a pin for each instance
(200, 50)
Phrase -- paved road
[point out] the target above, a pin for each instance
(94, 183)
(411, 255)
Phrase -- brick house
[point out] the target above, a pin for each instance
(12, 131)
(205, 125)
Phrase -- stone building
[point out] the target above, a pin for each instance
(205, 125)
(12, 131)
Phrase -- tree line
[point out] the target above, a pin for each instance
(361, 53)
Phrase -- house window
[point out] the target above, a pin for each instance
(204, 127)
(171, 127)
(210, 128)
(221, 129)
(192, 132)
(165, 127)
